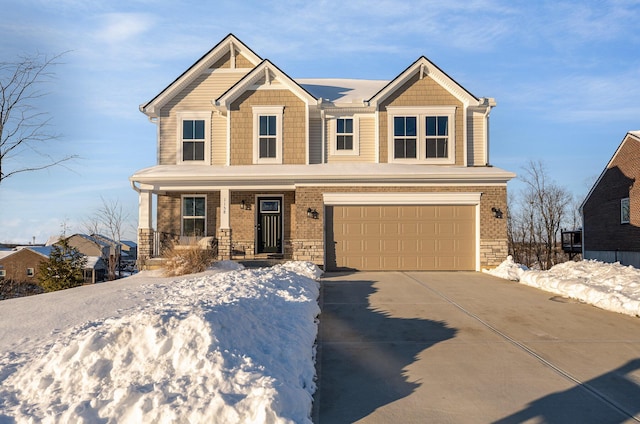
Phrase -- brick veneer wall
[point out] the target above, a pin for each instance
(602, 228)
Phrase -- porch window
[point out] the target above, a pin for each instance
(267, 134)
(625, 213)
(194, 216)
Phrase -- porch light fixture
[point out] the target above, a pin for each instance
(497, 212)
(312, 213)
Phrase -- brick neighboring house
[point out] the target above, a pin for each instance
(21, 265)
(349, 174)
(611, 210)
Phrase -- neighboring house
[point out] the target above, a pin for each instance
(349, 174)
(129, 251)
(611, 210)
(21, 265)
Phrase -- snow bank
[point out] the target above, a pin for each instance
(613, 287)
(225, 347)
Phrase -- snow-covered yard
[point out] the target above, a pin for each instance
(613, 287)
(229, 345)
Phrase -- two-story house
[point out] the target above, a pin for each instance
(349, 174)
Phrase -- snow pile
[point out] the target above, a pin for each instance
(224, 347)
(608, 286)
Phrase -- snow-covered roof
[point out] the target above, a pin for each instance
(337, 90)
(167, 177)
(635, 133)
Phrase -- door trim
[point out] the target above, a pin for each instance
(263, 196)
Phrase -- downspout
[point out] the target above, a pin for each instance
(490, 103)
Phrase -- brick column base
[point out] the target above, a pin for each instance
(224, 243)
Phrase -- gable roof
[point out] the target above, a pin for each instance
(631, 135)
(152, 107)
(269, 72)
(425, 67)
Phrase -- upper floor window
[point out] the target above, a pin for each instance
(267, 134)
(194, 216)
(344, 136)
(194, 137)
(625, 212)
(30, 272)
(404, 137)
(422, 135)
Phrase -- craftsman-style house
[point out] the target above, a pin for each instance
(349, 174)
(611, 210)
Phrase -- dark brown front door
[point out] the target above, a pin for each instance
(269, 226)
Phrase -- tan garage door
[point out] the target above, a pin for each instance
(438, 238)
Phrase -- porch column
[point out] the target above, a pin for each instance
(145, 224)
(224, 234)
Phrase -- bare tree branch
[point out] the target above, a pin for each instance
(23, 129)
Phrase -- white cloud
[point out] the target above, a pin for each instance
(118, 28)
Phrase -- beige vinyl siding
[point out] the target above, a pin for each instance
(195, 97)
(315, 140)
(366, 137)
(476, 143)
(218, 140)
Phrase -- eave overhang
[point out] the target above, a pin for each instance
(165, 178)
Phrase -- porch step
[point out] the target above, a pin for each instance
(261, 262)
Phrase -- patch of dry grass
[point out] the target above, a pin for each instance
(187, 259)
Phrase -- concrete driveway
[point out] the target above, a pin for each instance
(464, 347)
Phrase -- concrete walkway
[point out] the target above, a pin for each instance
(421, 347)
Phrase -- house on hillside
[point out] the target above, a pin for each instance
(21, 265)
(611, 210)
(349, 174)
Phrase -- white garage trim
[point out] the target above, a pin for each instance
(463, 198)
(402, 198)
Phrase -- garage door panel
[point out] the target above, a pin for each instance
(395, 237)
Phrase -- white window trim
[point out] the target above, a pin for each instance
(31, 272)
(421, 113)
(3, 273)
(625, 219)
(258, 111)
(182, 212)
(333, 136)
(188, 115)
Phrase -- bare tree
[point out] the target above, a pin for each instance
(536, 218)
(23, 129)
(108, 221)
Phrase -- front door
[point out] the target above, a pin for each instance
(269, 225)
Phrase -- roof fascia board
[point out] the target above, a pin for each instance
(428, 69)
(152, 107)
(225, 100)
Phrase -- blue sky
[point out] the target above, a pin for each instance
(565, 74)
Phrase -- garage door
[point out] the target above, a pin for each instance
(438, 238)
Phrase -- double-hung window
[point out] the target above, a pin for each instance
(193, 137)
(422, 134)
(194, 216)
(405, 137)
(344, 134)
(267, 134)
